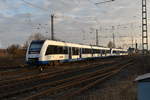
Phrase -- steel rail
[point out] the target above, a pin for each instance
(87, 75)
(23, 90)
(84, 68)
(5, 84)
(66, 85)
(58, 88)
(71, 94)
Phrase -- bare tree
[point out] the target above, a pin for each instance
(111, 44)
(36, 36)
(119, 47)
(13, 50)
(25, 45)
(16, 50)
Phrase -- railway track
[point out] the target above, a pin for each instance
(56, 82)
(25, 68)
(30, 70)
(84, 82)
(20, 82)
(51, 70)
(24, 72)
(92, 84)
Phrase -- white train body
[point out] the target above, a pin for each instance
(46, 51)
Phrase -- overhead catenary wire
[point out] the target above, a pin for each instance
(74, 17)
(34, 6)
(103, 2)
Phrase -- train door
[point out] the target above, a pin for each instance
(80, 52)
(105, 52)
(111, 52)
(101, 53)
(92, 52)
(70, 53)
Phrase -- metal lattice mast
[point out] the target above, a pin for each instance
(144, 27)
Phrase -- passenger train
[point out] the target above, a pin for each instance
(46, 51)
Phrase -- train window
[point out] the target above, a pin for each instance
(83, 50)
(107, 51)
(80, 50)
(96, 51)
(114, 51)
(75, 51)
(89, 51)
(51, 50)
(117, 52)
(59, 50)
(65, 50)
(86, 51)
(103, 51)
(35, 47)
(56, 50)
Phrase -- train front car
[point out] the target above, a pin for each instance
(33, 52)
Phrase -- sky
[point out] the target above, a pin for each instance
(75, 21)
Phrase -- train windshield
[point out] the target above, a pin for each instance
(35, 47)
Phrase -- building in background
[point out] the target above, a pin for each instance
(143, 83)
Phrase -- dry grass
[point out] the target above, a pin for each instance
(125, 90)
(7, 61)
(12, 57)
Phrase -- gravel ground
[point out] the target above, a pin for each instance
(119, 87)
(122, 86)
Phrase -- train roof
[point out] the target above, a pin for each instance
(119, 49)
(53, 42)
(37, 41)
(62, 43)
(98, 47)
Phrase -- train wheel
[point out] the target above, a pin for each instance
(41, 68)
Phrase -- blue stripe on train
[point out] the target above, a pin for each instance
(38, 62)
(66, 60)
(71, 60)
(47, 62)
